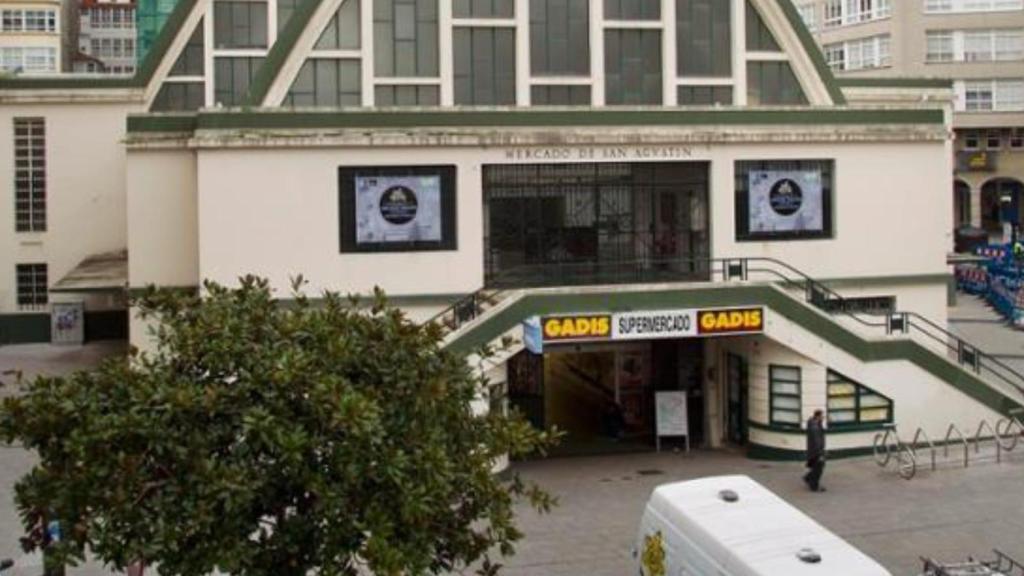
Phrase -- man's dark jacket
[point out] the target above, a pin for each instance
(815, 440)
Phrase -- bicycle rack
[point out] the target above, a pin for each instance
(949, 434)
(1005, 435)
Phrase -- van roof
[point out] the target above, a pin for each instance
(760, 534)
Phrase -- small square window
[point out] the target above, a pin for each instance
(1017, 139)
(970, 140)
(993, 140)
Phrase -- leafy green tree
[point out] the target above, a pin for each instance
(270, 438)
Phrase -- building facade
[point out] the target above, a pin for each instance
(979, 44)
(31, 37)
(636, 194)
(106, 37)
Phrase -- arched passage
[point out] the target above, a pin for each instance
(961, 203)
(991, 194)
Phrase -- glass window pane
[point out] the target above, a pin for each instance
(559, 37)
(632, 9)
(703, 38)
(786, 417)
(842, 417)
(405, 38)
(633, 67)
(786, 388)
(787, 373)
(842, 402)
(842, 389)
(788, 402)
(485, 66)
(874, 415)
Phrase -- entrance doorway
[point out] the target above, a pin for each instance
(602, 395)
(737, 390)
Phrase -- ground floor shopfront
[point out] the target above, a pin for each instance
(687, 378)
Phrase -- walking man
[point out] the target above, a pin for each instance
(815, 451)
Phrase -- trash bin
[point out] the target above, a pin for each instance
(969, 238)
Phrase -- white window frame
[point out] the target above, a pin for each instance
(962, 6)
(860, 54)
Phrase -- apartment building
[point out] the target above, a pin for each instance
(30, 37)
(106, 37)
(979, 44)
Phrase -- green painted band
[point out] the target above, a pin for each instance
(813, 52)
(505, 118)
(833, 429)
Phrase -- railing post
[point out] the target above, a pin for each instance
(967, 354)
(733, 269)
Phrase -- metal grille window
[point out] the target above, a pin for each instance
(31, 285)
(559, 37)
(561, 224)
(29, 174)
(784, 395)
(850, 403)
(703, 38)
(240, 24)
(632, 66)
(405, 38)
(485, 66)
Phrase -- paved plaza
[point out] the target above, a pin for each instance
(951, 513)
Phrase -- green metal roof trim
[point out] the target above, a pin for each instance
(162, 122)
(142, 76)
(813, 51)
(895, 82)
(724, 296)
(510, 118)
(280, 51)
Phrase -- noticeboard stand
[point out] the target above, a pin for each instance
(671, 417)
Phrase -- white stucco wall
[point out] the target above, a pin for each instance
(887, 221)
(85, 189)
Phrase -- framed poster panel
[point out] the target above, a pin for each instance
(784, 200)
(397, 208)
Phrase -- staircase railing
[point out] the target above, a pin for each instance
(699, 270)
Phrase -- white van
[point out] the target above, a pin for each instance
(733, 526)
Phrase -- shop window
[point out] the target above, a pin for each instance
(31, 285)
(342, 31)
(632, 9)
(704, 95)
(850, 403)
(405, 38)
(240, 24)
(632, 65)
(559, 38)
(231, 77)
(485, 66)
(703, 38)
(326, 82)
(29, 175)
(784, 199)
(483, 8)
(784, 395)
(773, 83)
(397, 209)
(553, 95)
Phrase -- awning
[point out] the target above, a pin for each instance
(107, 272)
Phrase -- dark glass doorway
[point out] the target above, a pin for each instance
(560, 224)
(737, 389)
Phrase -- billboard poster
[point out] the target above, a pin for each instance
(786, 201)
(398, 209)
